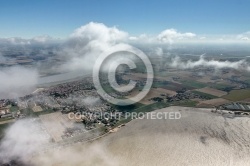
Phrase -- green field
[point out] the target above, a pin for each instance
(171, 86)
(160, 84)
(5, 119)
(128, 108)
(223, 87)
(237, 95)
(208, 96)
(14, 108)
(185, 103)
(45, 111)
(164, 74)
(108, 89)
(151, 107)
(193, 84)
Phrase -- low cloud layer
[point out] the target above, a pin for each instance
(159, 51)
(177, 62)
(17, 81)
(91, 101)
(22, 139)
(26, 142)
(94, 31)
(44, 39)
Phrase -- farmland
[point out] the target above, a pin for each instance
(212, 91)
(238, 95)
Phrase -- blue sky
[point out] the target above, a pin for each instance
(59, 18)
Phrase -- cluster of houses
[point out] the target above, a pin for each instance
(185, 96)
(73, 97)
(4, 108)
(5, 113)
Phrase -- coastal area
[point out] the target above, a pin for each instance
(124, 83)
(200, 137)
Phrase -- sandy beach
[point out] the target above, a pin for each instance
(200, 137)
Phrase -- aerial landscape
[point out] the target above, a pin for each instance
(117, 83)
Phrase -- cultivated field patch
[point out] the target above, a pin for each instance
(214, 102)
(212, 91)
(237, 95)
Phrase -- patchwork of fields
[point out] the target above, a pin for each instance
(214, 92)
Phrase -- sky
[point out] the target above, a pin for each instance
(58, 18)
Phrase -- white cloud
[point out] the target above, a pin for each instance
(133, 38)
(169, 35)
(245, 38)
(91, 101)
(21, 140)
(159, 51)
(15, 41)
(178, 63)
(88, 42)
(17, 81)
(100, 32)
(42, 39)
(26, 143)
(143, 39)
